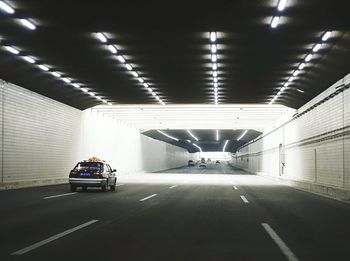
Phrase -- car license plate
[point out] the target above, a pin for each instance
(85, 174)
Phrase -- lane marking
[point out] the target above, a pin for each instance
(279, 242)
(148, 197)
(245, 200)
(119, 185)
(50, 239)
(60, 195)
(234, 187)
(173, 187)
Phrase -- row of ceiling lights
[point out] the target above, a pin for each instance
(316, 47)
(193, 136)
(280, 7)
(14, 50)
(113, 49)
(214, 65)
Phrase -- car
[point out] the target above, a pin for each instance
(191, 163)
(208, 160)
(202, 160)
(218, 161)
(92, 173)
(202, 165)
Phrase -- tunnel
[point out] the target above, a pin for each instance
(173, 130)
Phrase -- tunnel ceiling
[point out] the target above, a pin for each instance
(168, 45)
(205, 140)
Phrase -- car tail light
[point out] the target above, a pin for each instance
(97, 174)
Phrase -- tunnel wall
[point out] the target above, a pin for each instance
(38, 137)
(42, 140)
(311, 151)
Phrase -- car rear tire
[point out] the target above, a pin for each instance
(104, 188)
(113, 187)
(73, 188)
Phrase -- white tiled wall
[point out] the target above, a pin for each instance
(39, 136)
(325, 162)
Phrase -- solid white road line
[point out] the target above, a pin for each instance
(60, 195)
(234, 187)
(174, 186)
(50, 239)
(284, 248)
(148, 197)
(245, 200)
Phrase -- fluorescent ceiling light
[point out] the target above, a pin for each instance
(145, 85)
(281, 5)
(215, 66)
(84, 89)
(308, 57)
(275, 21)
(291, 79)
(43, 67)
(56, 74)
(213, 48)
(213, 36)
(135, 74)
(215, 73)
(66, 80)
(214, 57)
(217, 135)
(140, 80)
(110, 104)
(12, 49)
(92, 94)
(200, 149)
(192, 135)
(301, 66)
(99, 98)
(326, 36)
(104, 101)
(283, 89)
(296, 72)
(157, 98)
(128, 67)
(28, 24)
(121, 59)
(76, 85)
(102, 38)
(5, 7)
(215, 80)
(29, 59)
(316, 48)
(112, 49)
(286, 84)
(216, 85)
(299, 90)
(244, 133)
(154, 94)
(150, 90)
(224, 148)
(166, 135)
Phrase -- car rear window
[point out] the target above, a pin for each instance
(89, 165)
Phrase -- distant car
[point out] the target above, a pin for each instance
(191, 163)
(202, 160)
(202, 165)
(92, 173)
(209, 160)
(218, 161)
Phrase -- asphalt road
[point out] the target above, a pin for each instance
(173, 222)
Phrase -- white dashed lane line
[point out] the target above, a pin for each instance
(279, 242)
(174, 186)
(235, 188)
(60, 195)
(50, 239)
(151, 196)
